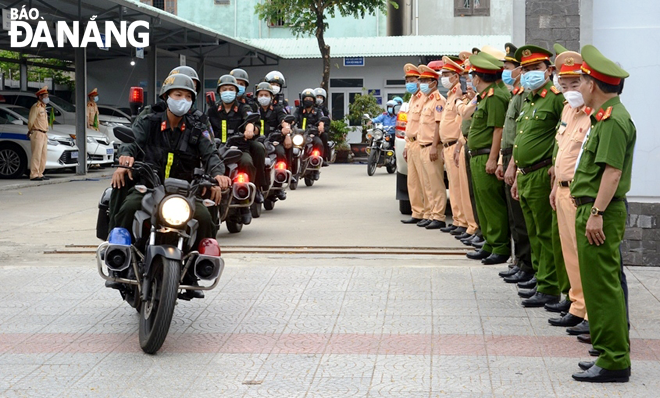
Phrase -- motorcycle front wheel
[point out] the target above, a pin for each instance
(372, 162)
(234, 227)
(391, 166)
(157, 310)
(309, 181)
(256, 210)
(269, 204)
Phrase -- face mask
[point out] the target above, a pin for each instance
(319, 101)
(507, 78)
(308, 103)
(446, 83)
(397, 108)
(276, 89)
(555, 81)
(574, 99)
(390, 110)
(533, 79)
(96, 98)
(228, 96)
(178, 107)
(474, 86)
(264, 101)
(425, 88)
(241, 91)
(45, 100)
(411, 88)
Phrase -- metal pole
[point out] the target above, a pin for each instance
(151, 74)
(201, 102)
(81, 106)
(24, 75)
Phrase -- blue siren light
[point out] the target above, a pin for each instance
(119, 236)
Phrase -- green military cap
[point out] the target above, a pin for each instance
(559, 48)
(510, 53)
(492, 59)
(596, 65)
(455, 59)
(482, 63)
(529, 54)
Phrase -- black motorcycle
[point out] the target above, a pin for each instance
(162, 260)
(277, 174)
(307, 161)
(380, 148)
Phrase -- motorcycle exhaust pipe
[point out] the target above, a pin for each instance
(117, 257)
(208, 267)
(281, 176)
(315, 161)
(241, 191)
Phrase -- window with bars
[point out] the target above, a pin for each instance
(165, 5)
(222, 2)
(466, 8)
(279, 21)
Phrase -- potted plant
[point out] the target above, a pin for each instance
(338, 131)
(363, 104)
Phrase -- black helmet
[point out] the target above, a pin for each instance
(227, 80)
(240, 74)
(178, 81)
(308, 92)
(191, 73)
(264, 86)
(276, 77)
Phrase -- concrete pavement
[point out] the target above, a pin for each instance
(282, 325)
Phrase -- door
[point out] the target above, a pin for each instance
(339, 102)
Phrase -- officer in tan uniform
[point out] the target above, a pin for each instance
(93, 110)
(575, 122)
(37, 129)
(450, 134)
(411, 152)
(429, 141)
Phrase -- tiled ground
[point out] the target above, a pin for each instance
(307, 326)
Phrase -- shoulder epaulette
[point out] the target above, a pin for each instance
(521, 90)
(608, 113)
(554, 90)
(491, 92)
(419, 94)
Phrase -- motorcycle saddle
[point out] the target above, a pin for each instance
(232, 155)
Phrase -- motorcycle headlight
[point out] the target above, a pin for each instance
(378, 134)
(175, 211)
(298, 140)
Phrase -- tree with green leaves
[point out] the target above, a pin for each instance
(310, 17)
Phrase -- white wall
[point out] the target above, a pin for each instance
(437, 18)
(629, 34)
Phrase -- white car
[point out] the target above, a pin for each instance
(100, 150)
(109, 118)
(16, 153)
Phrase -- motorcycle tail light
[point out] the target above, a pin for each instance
(241, 178)
(209, 247)
(280, 166)
(316, 152)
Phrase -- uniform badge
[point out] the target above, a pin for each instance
(206, 134)
(554, 90)
(439, 108)
(527, 53)
(491, 92)
(608, 113)
(599, 115)
(588, 110)
(544, 93)
(183, 126)
(163, 125)
(235, 108)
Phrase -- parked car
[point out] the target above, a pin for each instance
(402, 164)
(109, 118)
(16, 153)
(100, 150)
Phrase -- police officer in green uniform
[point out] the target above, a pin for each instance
(483, 142)
(175, 143)
(226, 119)
(599, 187)
(532, 155)
(522, 270)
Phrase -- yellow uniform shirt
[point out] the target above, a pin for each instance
(431, 114)
(38, 119)
(450, 125)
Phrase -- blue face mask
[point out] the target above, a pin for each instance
(228, 96)
(241, 90)
(411, 88)
(506, 77)
(425, 88)
(533, 79)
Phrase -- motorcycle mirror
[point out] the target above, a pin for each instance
(366, 117)
(125, 134)
(252, 117)
(208, 203)
(325, 120)
(290, 119)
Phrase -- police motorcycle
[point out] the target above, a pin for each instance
(235, 208)
(277, 174)
(380, 148)
(152, 270)
(307, 161)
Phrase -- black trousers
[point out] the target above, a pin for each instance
(317, 143)
(258, 154)
(522, 248)
(326, 147)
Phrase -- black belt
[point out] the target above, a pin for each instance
(450, 143)
(586, 199)
(425, 145)
(413, 139)
(564, 184)
(534, 167)
(477, 152)
(506, 152)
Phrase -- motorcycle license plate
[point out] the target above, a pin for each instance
(110, 151)
(74, 155)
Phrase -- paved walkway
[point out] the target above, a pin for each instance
(306, 326)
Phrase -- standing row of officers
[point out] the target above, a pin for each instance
(538, 154)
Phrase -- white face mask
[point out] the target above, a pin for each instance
(555, 81)
(45, 100)
(276, 90)
(264, 101)
(446, 82)
(178, 107)
(574, 99)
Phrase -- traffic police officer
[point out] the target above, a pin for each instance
(411, 152)
(532, 155)
(93, 110)
(428, 137)
(37, 129)
(484, 141)
(599, 187)
(575, 121)
(226, 120)
(522, 270)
